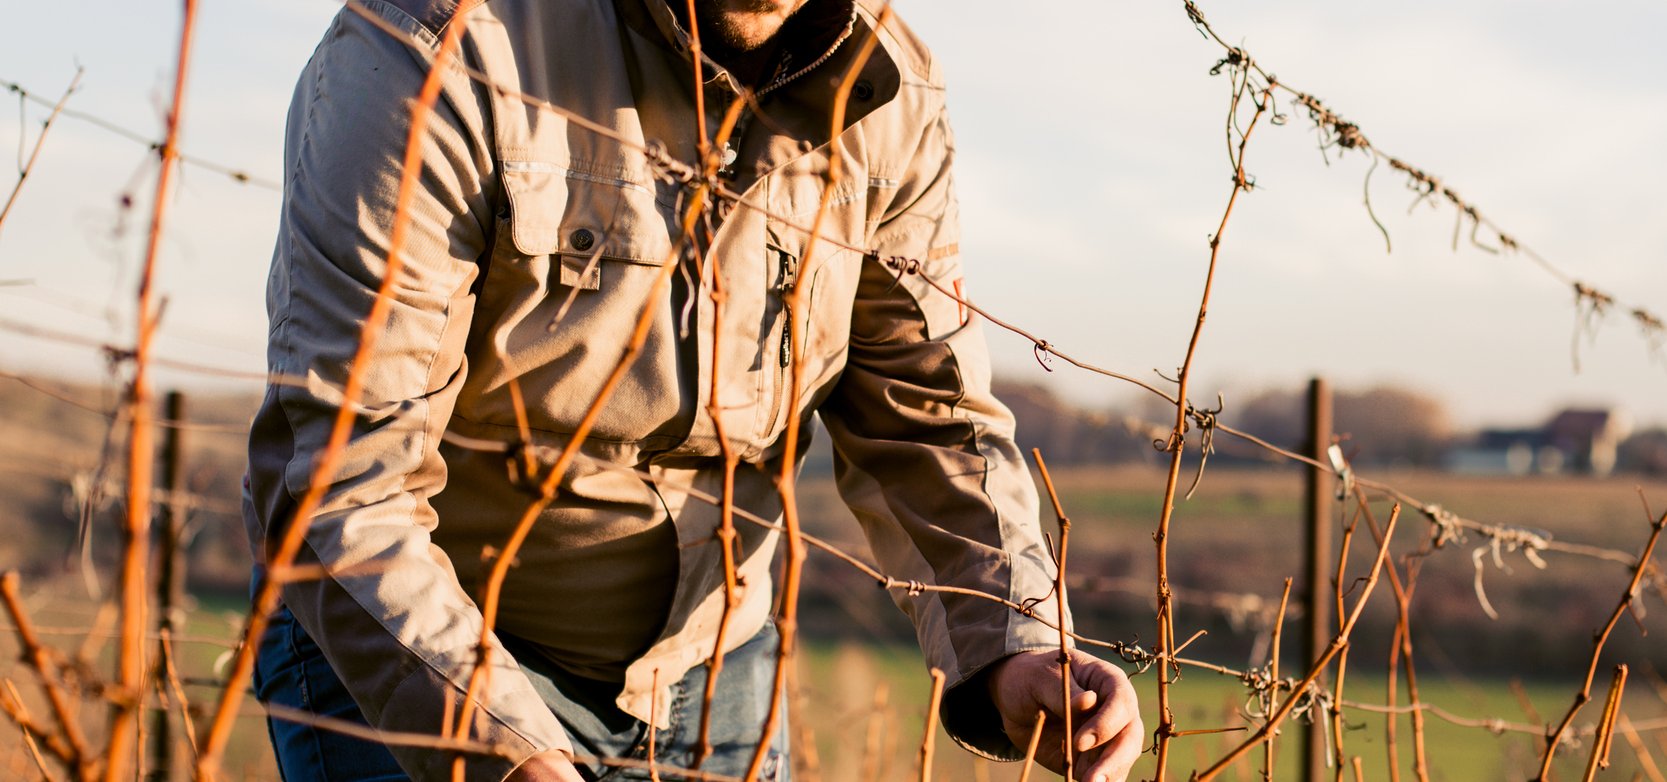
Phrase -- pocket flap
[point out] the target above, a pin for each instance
(556, 209)
(582, 272)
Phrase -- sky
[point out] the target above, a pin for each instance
(1092, 170)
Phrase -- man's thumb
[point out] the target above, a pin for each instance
(1081, 699)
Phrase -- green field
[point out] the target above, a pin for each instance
(840, 682)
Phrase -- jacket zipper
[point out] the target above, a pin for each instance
(789, 271)
(789, 279)
(783, 81)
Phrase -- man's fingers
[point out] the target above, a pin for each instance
(1044, 689)
(1113, 716)
(1107, 732)
(1116, 758)
(1115, 696)
(1083, 700)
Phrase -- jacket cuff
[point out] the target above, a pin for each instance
(527, 729)
(969, 715)
(970, 718)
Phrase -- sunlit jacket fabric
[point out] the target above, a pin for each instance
(532, 246)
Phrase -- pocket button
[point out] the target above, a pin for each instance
(582, 239)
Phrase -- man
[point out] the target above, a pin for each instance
(534, 244)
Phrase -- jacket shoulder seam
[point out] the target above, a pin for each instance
(424, 19)
(903, 44)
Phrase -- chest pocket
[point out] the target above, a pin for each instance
(577, 256)
(578, 213)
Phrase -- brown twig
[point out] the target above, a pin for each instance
(929, 739)
(77, 757)
(1333, 711)
(653, 721)
(1606, 726)
(13, 706)
(1030, 749)
(703, 145)
(34, 154)
(328, 459)
(807, 763)
(725, 533)
(1555, 737)
(1059, 594)
(1176, 446)
(1273, 675)
(1319, 666)
(876, 730)
(1391, 696)
(130, 654)
(1420, 753)
(795, 323)
(360, 730)
(1646, 762)
(166, 644)
(1401, 647)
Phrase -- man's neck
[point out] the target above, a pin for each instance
(752, 57)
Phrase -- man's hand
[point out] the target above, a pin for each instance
(1104, 714)
(552, 766)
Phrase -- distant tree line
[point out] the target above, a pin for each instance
(1378, 426)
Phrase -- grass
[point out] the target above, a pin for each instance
(841, 680)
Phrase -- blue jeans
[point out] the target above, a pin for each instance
(291, 670)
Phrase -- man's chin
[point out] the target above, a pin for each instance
(745, 25)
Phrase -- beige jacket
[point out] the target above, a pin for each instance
(532, 246)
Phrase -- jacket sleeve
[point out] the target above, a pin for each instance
(389, 615)
(925, 456)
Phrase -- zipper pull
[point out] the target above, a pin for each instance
(789, 280)
(789, 272)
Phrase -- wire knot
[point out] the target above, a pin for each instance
(903, 265)
(667, 168)
(1207, 422)
(1236, 58)
(1043, 351)
(1447, 529)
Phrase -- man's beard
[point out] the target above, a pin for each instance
(729, 33)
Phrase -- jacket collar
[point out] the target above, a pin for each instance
(815, 38)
